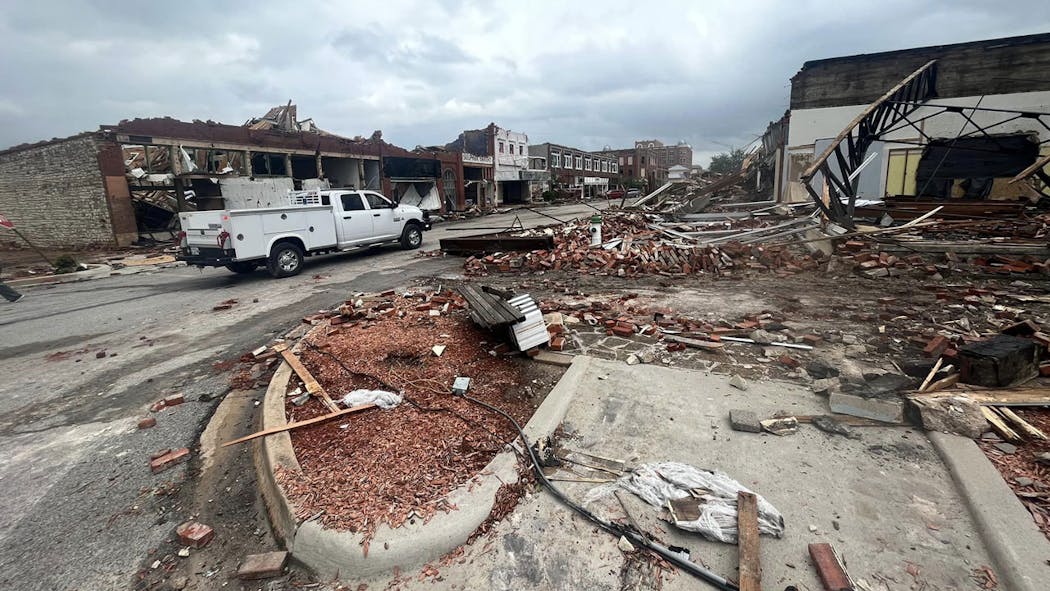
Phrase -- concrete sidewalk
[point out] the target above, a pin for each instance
(884, 500)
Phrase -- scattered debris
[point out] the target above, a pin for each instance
(168, 459)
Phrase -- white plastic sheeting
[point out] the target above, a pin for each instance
(381, 398)
(660, 482)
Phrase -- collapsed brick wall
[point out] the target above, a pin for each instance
(55, 194)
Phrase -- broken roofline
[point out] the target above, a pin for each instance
(209, 133)
(987, 43)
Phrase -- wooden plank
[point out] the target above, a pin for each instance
(1025, 427)
(999, 425)
(1007, 396)
(298, 424)
(747, 542)
(933, 371)
(694, 343)
(479, 302)
(942, 383)
(829, 569)
(314, 388)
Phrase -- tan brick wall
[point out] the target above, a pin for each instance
(55, 195)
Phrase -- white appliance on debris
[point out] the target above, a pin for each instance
(531, 332)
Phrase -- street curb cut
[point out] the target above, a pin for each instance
(92, 272)
(331, 553)
(1019, 549)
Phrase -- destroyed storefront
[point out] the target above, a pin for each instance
(414, 181)
(928, 125)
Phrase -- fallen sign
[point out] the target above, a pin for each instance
(298, 424)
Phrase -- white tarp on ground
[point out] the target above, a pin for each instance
(381, 398)
(660, 482)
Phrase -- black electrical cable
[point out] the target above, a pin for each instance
(635, 538)
(617, 530)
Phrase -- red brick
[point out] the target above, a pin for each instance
(533, 352)
(812, 339)
(623, 330)
(789, 361)
(558, 344)
(147, 422)
(160, 453)
(157, 406)
(337, 320)
(173, 457)
(262, 566)
(194, 534)
(936, 346)
(174, 400)
(1044, 369)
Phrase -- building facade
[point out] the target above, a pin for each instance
(579, 172)
(638, 166)
(680, 154)
(827, 94)
(513, 179)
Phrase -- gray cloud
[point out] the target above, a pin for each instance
(587, 74)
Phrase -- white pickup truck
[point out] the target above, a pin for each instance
(314, 222)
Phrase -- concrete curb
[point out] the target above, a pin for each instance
(1018, 548)
(92, 272)
(330, 552)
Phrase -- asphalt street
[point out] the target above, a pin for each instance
(82, 362)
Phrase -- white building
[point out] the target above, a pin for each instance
(919, 155)
(677, 173)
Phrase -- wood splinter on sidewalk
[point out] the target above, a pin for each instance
(747, 541)
(298, 424)
(314, 388)
(832, 575)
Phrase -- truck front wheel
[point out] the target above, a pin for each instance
(411, 237)
(286, 259)
(242, 267)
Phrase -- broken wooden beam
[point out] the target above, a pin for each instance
(1027, 428)
(747, 542)
(311, 384)
(832, 575)
(999, 424)
(298, 424)
(694, 343)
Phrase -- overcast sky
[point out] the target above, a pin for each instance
(582, 73)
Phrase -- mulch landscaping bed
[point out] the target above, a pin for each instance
(395, 466)
(1035, 496)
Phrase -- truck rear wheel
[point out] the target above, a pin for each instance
(411, 237)
(286, 259)
(242, 267)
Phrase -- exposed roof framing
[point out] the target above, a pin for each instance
(850, 145)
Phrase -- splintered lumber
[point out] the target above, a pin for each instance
(298, 424)
(829, 569)
(999, 425)
(933, 371)
(747, 541)
(694, 343)
(1026, 427)
(314, 388)
(1008, 396)
(942, 383)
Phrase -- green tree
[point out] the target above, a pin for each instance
(727, 162)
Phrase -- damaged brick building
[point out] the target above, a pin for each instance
(974, 116)
(108, 187)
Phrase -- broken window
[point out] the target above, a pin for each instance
(555, 160)
(268, 165)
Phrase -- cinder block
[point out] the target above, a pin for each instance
(886, 409)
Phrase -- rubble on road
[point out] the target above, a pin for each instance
(633, 248)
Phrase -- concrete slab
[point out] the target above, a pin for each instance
(884, 501)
